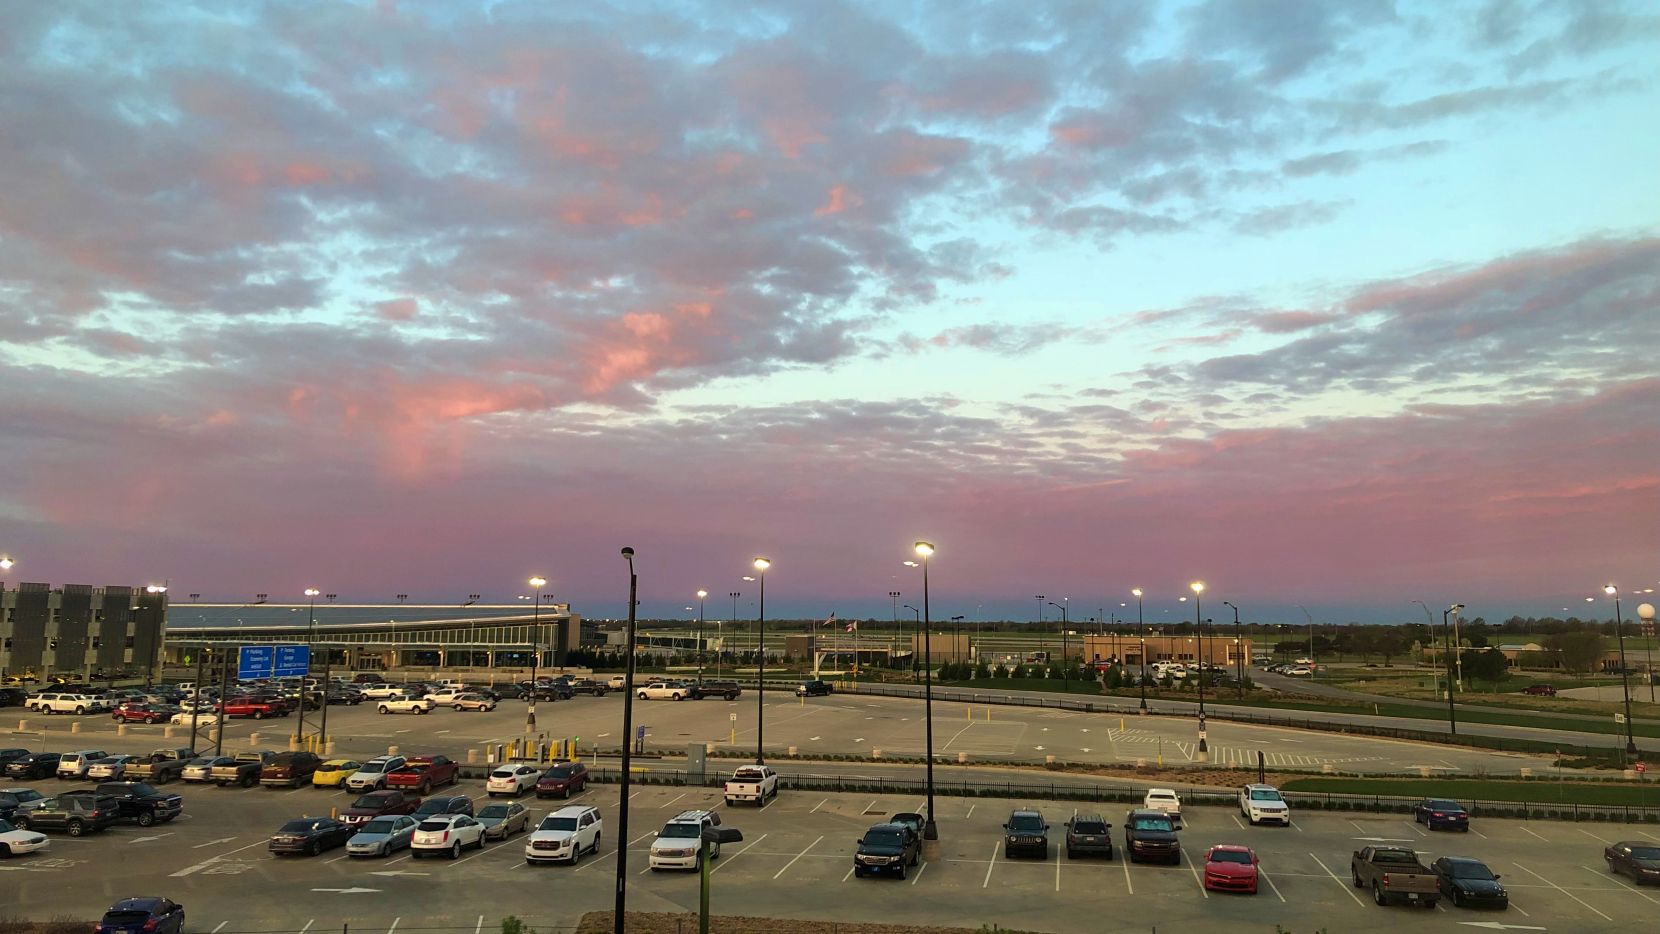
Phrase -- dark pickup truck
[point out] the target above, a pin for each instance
(138, 802)
(424, 773)
(160, 766)
(289, 769)
(1394, 874)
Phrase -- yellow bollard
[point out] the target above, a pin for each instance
(970, 713)
(1120, 724)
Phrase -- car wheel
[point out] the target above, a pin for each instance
(1377, 894)
(80, 710)
(76, 828)
(1070, 854)
(311, 848)
(1356, 876)
(642, 695)
(1008, 853)
(455, 850)
(566, 794)
(384, 709)
(902, 870)
(858, 873)
(385, 849)
(1457, 899)
(146, 819)
(576, 852)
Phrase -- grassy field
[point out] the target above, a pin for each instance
(1536, 791)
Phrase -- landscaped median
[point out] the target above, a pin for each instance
(1542, 791)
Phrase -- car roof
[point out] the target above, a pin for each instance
(1162, 792)
(1088, 818)
(1258, 786)
(1461, 860)
(1230, 848)
(573, 810)
(888, 825)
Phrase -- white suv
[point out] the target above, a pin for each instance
(512, 780)
(676, 847)
(371, 775)
(70, 703)
(1262, 803)
(75, 764)
(565, 835)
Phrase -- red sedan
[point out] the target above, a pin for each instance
(1231, 869)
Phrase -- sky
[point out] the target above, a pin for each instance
(1331, 305)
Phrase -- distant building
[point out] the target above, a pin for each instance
(82, 631)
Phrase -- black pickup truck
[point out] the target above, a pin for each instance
(140, 803)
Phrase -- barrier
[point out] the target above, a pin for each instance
(75, 727)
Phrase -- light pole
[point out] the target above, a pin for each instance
(761, 565)
(310, 638)
(536, 654)
(701, 595)
(1040, 602)
(1066, 623)
(1141, 626)
(894, 595)
(1625, 684)
(930, 831)
(1313, 663)
(618, 910)
(1645, 612)
(1198, 588)
(1447, 649)
(956, 636)
(1238, 649)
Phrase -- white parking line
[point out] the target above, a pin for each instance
(394, 926)
(1421, 831)
(221, 927)
(613, 852)
(1058, 861)
(1236, 821)
(819, 805)
(1193, 868)
(308, 923)
(1527, 831)
(189, 870)
(849, 874)
(1265, 877)
(919, 873)
(798, 856)
(1341, 882)
(728, 860)
(479, 927)
(1620, 882)
(672, 800)
(1563, 891)
(1593, 836)
(991, 865)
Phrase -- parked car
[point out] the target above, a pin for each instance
(1026, 833)
(8, 756)
(504, 819)
(72, 703)
(382, 836)
(1088, 835)
(372, 774)
(1263, 804)
(108, 769)
(406, 704)
(77, 814)
(11, 799)
(443, 804)
(813, 688)
(448, 834)
(589, 686)
(144, 713)
(33, 765)
(1540, 690)
(424, 773)
(730, 690)
(446, 697)
(74, 765)
(1394, 874)
(383, 691)
(145, 915)
(1441, 814)
(1636, 858)
(1231, 869)
(1163, 799)
(334, 772)
(201, 718)
(1151, 835)
(244, 769)
(565, 835)
(887, 848)
(138, 802)
(1469, 883)
(289, 769)
(309, 836)
(616, 682)
(512, 780)
(677, 844)
(13, 697)
(200, 769)
(665, 690)
(160, 766)
(563, 779)
(477, 703)
(15, 842)
(752, 784)
(382, 803)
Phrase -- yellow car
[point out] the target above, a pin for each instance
(333, 773)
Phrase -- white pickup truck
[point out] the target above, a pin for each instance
(751, 784)
(405, 705)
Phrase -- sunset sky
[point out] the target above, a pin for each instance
(1335, 304)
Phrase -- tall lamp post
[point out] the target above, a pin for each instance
(1625, 684)
(761, 565)
(1238, 652)
(1141, 627)
(1313, 663)
(894, 595)
(1645, 612)
(310, 638)
(930, 831)
(1198, 588)
(1066, 623)
(1040, 602)
(620, 907)
(536, 654)
(701, 596)
(1447, 650)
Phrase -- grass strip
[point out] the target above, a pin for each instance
(1465, 791)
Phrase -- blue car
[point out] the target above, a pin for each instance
(1441, 814)
(150, 914)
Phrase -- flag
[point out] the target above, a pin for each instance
(829, 620)
(853, 626)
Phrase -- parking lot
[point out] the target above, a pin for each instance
(796, 860)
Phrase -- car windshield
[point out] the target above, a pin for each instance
(380, 826)
(883, 838)
(1445, 805)
(1264, 794)
(1645, 852)
(368, 801)
(557, 823)
(1230, 856)
(1471, 871)
(373, 767)
(1088, 826)
(1026, 823)
(689, 831)
(1153, 823)
(494, 811)
(298, 826)
(558, 773)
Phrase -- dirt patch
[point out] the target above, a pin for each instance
(599, 922)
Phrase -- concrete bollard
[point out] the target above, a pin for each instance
(962, 758)
(1423, 771)
(1527, 772)
(1048, 760)
(120, 729)
(792, 752)
(1327, 769)
(293, 744)
(876, 753)
(472, 757)
(1629, 774)
(1141, 762)
(75, 727)
(253, 739)
(391, 750)
(328, 748)
(167, 732)
(22, 726)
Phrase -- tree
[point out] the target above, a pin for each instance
(1578, 651)
(1390, 642)
(1485, 665)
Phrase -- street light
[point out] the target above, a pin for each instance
(619, 908)
(701, 595)
(1198, 587)
(1446, 641)
(761, 565)
(1625, 684)
(1141, 626)
(6, 563)
(930, 831)
(536, 654)
(310, 637)
(1238, 652)
(1066, 622)
(917, 618)
(1645, 612)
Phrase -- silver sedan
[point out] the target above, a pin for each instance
(381, 836)
(503, 820)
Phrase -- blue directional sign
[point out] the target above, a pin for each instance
(273, 661)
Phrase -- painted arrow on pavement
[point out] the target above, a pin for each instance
(1383, 840)
(350, 891)
(148, 839)
(214, 842)
(398, 872)
(1499, 926)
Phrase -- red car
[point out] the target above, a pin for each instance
(139, 713)
(1543, 690)
(424, 773)
(1231, 869)
(563, 779)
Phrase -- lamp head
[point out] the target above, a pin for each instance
(538, 582)
(6, 562)
(761, 564)
(309, 591)
(162, 588)
(1198, 586)
(1136, 591)
(1645, 612)
(924, 548)
(702, 593)
(628, 553)
(1611, 590)
(912, 564)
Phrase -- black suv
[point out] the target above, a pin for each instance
(813, 689)
(887, 848)
(1026, 832)
(727, 689)
(76, 813)
(444, 804)
(1150, 834)
(1088, 835)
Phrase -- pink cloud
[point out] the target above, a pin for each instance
(398, 309)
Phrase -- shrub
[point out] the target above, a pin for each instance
(1001, 672)
(982, 671)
